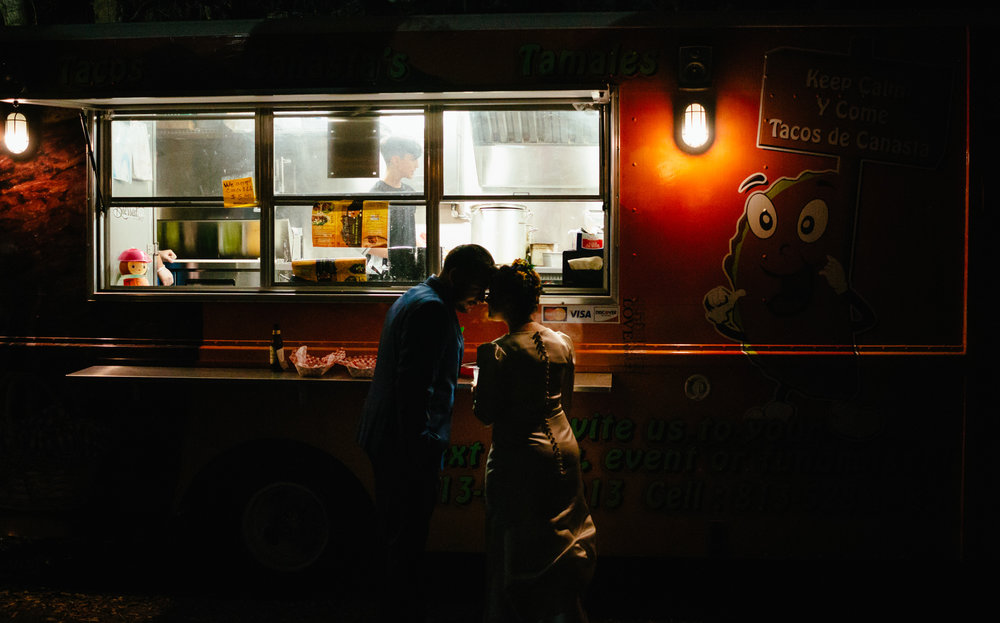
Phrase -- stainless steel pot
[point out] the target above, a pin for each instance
(502, 228)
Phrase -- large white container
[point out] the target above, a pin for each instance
(502, 228)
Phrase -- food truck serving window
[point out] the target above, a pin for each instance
(347, 198)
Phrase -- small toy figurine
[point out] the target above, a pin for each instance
(132, 264)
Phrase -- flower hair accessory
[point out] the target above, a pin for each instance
(526, 270)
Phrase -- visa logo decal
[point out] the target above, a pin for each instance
(607, 314)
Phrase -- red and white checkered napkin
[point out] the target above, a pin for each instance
(310, 365)
(361, 365)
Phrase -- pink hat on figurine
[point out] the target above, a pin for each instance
(134, 255)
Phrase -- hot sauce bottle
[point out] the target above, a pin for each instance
(276, 352)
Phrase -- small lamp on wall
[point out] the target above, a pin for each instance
(20, 135)
(694, 105)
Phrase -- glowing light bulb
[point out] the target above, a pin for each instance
(16, 133)
(694, 132)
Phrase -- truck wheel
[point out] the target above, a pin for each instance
(297, 527)
(285, 526)
(289, 521)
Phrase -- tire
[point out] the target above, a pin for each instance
(290, 521)
(285, 526)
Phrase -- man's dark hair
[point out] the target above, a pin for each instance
(399, 146)
(471, 263)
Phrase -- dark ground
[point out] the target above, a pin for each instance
(71, 581)
(67, 581)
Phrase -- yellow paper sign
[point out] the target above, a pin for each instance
(238, 193)
(375, 229)
(350, 223)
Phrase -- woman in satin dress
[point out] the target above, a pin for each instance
(540, 538)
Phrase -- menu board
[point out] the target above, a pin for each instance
(350, 223)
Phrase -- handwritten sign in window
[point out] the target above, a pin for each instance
(238, 193)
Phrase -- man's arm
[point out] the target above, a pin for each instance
(423, 343)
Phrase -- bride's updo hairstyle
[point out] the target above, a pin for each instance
(515, 288)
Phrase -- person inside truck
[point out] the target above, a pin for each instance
(406, 423)
(401, 156)
(540, 538)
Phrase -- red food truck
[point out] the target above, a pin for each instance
(756, 232)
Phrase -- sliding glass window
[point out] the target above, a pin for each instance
(348, 199)
(180, 207)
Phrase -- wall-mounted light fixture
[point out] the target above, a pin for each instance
(694, 105)
(19, 126)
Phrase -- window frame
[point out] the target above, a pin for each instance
(433, 197)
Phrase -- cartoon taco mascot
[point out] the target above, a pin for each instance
(788, 285)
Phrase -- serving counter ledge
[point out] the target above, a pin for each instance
(585, 381)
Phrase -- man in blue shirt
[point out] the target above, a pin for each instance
(407, 417)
